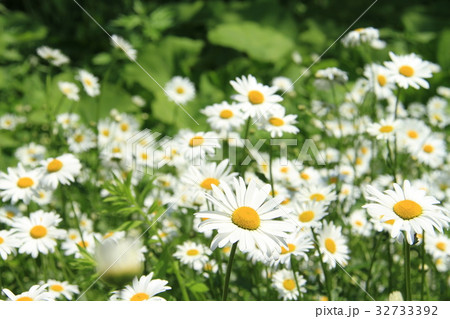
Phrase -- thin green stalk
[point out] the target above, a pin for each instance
(422, 255)
(322, 264)
(372, 260)
(407, 264)
(390, 265)
(246, 132)
(270, 170)
(228, 274)
(180, 280)
(294, 262)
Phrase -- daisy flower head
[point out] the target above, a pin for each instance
(246, 215)
(8, 243)
(81, 140)
(316, 193)
(333, 245)
(359, 36)
(59, 289)
(332, 75)
(10, 121)
(74, 242)
(38, 233)
(8, 213)
(283, 84)
(197, 145)
(298, 244)
(431, 152)
(437, 245)
(192, 254)
(278, 123)
(410, 210)
(224, 116)
(359, 223)
(70, 90)
(411, 133)
(254, 98)
(379, 80)
(68, 120)
(309, 213)
(284, 282)
(143, 289)
(180, 90)
(53, 56)
(443, 91)
(62, 169)
(36, 293)
(31, 154)
(384, 130)
(120, 43)
(409, 70)
(90, 83)
(19, 184)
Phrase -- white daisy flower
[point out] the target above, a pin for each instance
(68, 120)
(31, 154)
(197, 145)
(278, 123)
(317, 193)
(284, 282)
(81, 140)
(298, 244)
(70, 90)
(409, 70)
(437, 245)
(180, 90)
(53, 56)
(283, 84)
(333, 245)
(8, 213)
(192, 254)
(359, 36)
(60, 289)
(224, 116)
(125, 46)
(384, 130)
(309, 213)
(246, 216)
(144, 289)
(62, 169)
(90, 83)
(8, 243)
(43, 197)
(379, 80)
(38, 233)
(10, 121)
(412, 210)
(431, 152)
(332, 74)
(19, 184)
(411, 133)
(254, 98)
(138, 100)
(443, 91)
(72, 244)
(359, 223)
(36, 293)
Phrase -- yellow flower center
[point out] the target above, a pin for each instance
(1, 240)
(381, 80)
(304, 176)
(105, 133)
(83, 244)
(57, 288)
(144, 156)
(79, 138)
(358, 161)
(88, 82)
(140, 296)
(54, 166)
(226, 114)
(428, 148)
(180, 90)
(317, 197)
(386, 129)
(192, 252)
(226, 250)
(276, 121)
(359, 29)
(207, 267)
(364, 150)
(10, 215)
(124, 127)
(306, 216)
(413, 134)
(406, 70)
(407, 209)
(390, 222)
(284, 169)
(330, 245)
(358, 223)
(116, 150)
(73, 236)
(196, 141)
(206, 184)
(246, 218)
(441, 246)
(26, 298)
(38, 231)
(255, 97)
(25, 182)
(291, 248)
(67, 90)
(289, 284)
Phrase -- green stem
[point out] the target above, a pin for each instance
(422, 255)
(407, 264)
(294, 262)
(322, 264)
(270, 170)
(372, 260)
(180, 281)
(389, 253)
(228, 274)
(246, 132)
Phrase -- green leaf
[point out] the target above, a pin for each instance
(443, 57)
(260, 43)
(129, 225)
(199, 288)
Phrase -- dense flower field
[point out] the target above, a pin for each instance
(145, 172)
